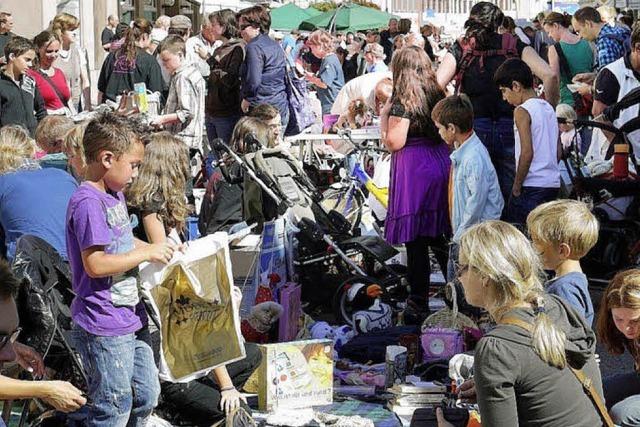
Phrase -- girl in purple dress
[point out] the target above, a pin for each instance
(418, 213)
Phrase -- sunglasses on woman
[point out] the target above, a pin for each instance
(9, 338)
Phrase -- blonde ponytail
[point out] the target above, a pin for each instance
(548, 340)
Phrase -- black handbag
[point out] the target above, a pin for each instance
(426, 417)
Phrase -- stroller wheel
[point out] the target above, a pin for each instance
(342, 307)
(347, 203)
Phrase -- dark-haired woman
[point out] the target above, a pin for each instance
(618, 329)
(418, 214)
(223, 87)
(130, 64)
(493, 121)
(264, 68)
(51, 81)
(576, 51)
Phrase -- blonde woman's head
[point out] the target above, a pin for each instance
(561, 230)
(500, 271)
(16, 146)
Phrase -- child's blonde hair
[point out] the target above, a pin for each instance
(162, 180)
(566, 111)
(504, 257)
(564, 221)
(15, 147)
(51, 131)
(72, 145)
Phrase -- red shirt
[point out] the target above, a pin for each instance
(51, 99)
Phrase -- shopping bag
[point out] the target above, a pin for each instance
(199, 320)
(271, 271)
(381, 178)
(289, 297)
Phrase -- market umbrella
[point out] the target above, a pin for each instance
(289, 16)
(348, 17)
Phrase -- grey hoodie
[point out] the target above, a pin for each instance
(516, 388)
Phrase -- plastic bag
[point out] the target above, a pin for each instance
(192, 296)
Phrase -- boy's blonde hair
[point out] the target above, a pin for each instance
(15, 147)
(564, 221)
(511, 267)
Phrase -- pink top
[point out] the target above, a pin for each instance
(51, 99)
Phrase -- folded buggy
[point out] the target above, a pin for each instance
(328, 258)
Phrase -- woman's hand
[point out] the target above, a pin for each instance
(440, 417)
(29, 359)
(231, 400)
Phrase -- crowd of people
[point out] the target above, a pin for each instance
(476, 178)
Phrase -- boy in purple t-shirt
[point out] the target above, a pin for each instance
(109, 320)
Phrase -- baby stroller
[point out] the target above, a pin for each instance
(43, 303)
(324, 258)
(618, 245)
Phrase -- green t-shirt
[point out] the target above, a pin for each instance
(580, 59)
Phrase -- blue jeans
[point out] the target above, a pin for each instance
(622, 395)
(220, 127)
(518, 208)
(498, 137)
(123, 384)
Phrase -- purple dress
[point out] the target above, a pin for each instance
(418, 191)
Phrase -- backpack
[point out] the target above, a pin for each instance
(470, 54)
(581, 104)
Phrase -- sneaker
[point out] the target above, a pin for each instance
(240, 418)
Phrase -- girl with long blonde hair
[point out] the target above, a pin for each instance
(158, 194)
(618, 328)
(418, 215)
(521, 367)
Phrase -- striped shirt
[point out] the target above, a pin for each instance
(187, 91)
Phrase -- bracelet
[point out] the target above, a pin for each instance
(227, 388)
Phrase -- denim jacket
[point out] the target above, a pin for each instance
(476, 192)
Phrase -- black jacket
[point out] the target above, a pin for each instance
(118, 75)
(223, 86)
(21, 105)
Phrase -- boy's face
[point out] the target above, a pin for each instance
(22, 62)
(511, 94)
(171, 61)
(275, 125)
(552, 256)
(448, 133)
(123, 169)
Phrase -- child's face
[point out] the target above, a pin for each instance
(564, 127)
(275, 126)
(447, 133)
(122, 170)
(23, 62)
(627, 320)
(551, 255)
(511, 94)
(171, 61)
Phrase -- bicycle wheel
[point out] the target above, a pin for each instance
(347, 202)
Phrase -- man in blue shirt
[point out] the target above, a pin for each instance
(610, 41)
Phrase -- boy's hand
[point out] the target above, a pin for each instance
(516, 190)
(159, 252)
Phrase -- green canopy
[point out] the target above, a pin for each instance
(289, 16)
(348, 17)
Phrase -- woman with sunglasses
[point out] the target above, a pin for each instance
(618, 328)
(51, 81)
(264, 68)
(524, 367)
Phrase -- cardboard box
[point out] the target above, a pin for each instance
(297, 374)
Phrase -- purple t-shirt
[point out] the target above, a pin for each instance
(106, 306)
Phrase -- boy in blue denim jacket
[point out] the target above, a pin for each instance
(563, 231)
(474, 191)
